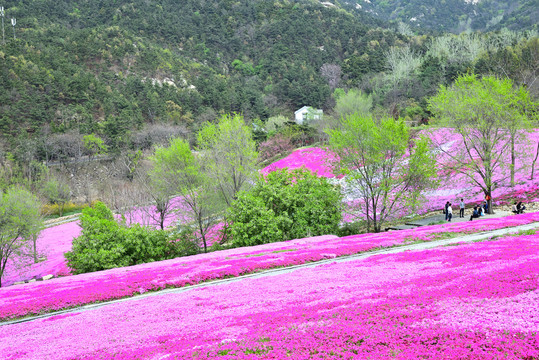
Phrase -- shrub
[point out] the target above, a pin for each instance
(283, 206)
(187, 242)
(54, 209)
(278, 144)
(105, 244)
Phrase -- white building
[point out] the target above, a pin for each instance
(306, 114)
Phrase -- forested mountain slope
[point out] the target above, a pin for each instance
(101, 65)
(112, 68)
(455, 15)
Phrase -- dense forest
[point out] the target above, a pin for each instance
(455, 15)
(116, 68)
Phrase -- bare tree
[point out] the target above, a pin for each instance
(156, 134)
(332, 74)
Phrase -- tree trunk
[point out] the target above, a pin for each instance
(488, 197)
(34, 239)
(200, 226)
(534, 160)
(162, 221)
(512, 162)
(374, 219)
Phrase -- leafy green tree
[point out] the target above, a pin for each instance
(354, 101)
(57, 192)
(372, 154)
(285, 205)
(176, 172)
(275, 123)
(485, 113)
(20, 223)
(94, 145)
(229, 153)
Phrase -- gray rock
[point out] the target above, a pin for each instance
(48, 277)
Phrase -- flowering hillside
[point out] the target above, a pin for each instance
(55, 242)
(56, 294)
(475, 301)
(452, 186)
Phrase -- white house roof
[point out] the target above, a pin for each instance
(302, 109)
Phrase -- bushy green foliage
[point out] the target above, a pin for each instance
(106, 244)
(285, 205)
(54, 210)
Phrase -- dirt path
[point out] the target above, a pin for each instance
(273, 272)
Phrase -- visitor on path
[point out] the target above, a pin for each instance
(514, 208)
(485, 206)
(461, 206)
(520, 208)
(445, 209)
(480, 211)
(475, 213)
(449, 212)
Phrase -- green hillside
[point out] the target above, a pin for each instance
(113, 68)
(101, 65)
(455, 15)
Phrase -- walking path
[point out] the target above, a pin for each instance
(273, 272)
(439, 218)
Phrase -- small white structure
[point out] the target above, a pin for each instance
(306, 114)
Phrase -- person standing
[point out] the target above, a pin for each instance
(449, 212)
(461, 206)
(445, 209)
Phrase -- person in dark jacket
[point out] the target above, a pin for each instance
(475, 213)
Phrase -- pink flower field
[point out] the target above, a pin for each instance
(317, 160)
(474, 301)
(53, 243)
(452, 186)
(40, 297)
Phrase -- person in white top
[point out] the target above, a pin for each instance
(449, 212)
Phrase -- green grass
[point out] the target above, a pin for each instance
(74, 212)
(273, 252)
